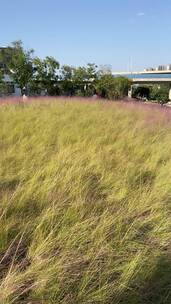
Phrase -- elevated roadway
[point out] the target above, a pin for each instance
(151, 80)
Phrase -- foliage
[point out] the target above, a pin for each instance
(159, 93)
(66, 83)
(85, 203)
(37, 76)
(45, 75)
(18, 64)
(1, 83)
(4, 89)
(84, 79)
(122, 86)
(3, 86)
(141, 92)
(105, 85)
(85, 74)
(113, 88)
(79, 81)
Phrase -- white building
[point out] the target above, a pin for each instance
(11, 88)
(169, 67)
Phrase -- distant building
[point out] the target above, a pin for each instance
(164, 67)
(149, 69)
(169, 67)
(161, 68)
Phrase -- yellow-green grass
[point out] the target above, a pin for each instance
(85, 203)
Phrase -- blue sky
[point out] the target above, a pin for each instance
(102, 31)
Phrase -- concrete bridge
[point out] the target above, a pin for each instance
(147, 77)
(151, 80)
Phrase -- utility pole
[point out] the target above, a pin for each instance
(130, 65)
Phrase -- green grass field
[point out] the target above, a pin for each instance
(85, 203)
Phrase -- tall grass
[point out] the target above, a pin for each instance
(85, 203)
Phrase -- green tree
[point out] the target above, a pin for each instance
(159, 93)
(66, 80)
(91, 71)
(113, 88)
(122, 86)
(19, 64)
(92, 78)
(84, 79)
(105, 85)
(45, 75)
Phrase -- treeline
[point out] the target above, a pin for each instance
(35, 76)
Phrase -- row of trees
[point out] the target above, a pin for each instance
(34, 75)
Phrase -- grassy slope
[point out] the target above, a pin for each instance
(85, 204)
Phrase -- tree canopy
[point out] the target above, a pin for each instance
(113, 88)
(18, 63)
(45, 74)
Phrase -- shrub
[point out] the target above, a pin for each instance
(159, 93)
(113, 88)
(141, 92)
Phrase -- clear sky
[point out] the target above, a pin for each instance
(102, 31)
